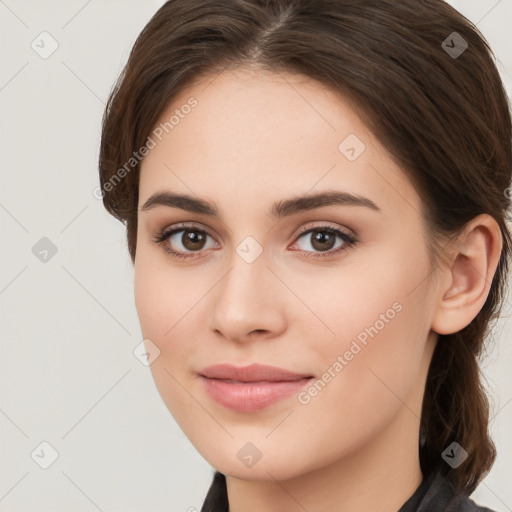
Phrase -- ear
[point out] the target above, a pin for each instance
(468, 275)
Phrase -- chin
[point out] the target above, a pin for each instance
(259, 472)
(275, 465)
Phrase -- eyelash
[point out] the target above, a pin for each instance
(349, 240)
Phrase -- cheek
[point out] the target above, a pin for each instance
(359, 301)
(167, 301)
(378, 315)
(163, 298)
(366, 380)
(162, 304)
(151, 301)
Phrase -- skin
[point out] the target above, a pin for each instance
(255, 138)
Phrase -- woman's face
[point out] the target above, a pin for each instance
(345, 308)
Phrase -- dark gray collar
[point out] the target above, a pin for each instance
(434, 494)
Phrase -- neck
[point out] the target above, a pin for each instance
(382, 475)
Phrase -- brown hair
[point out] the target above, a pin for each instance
(445, 119)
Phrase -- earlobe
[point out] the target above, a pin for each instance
(469, 276)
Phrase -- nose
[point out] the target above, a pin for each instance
(249, 302)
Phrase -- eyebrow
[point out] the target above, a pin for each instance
(279, 210)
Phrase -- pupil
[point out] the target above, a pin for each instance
(324, 239)
(193, 239)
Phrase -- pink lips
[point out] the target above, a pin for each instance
(250, 388)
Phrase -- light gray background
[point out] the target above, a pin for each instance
(67, 372)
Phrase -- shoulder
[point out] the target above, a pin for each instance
(441, 496)
(466, 504)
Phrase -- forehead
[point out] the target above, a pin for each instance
(259, 134)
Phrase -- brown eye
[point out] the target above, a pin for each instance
(193, 240)
(323, 241)
(183, 241)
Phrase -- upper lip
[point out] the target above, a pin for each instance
(252, 373)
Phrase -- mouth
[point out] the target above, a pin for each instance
(251, 388)
(252, 373)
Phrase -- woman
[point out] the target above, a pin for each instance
(315, 196)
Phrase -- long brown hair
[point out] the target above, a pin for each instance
(443, 116)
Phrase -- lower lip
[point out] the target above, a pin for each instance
(251, 396)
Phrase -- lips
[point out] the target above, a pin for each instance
(251, 388)
(252, 373)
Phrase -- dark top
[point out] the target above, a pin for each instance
(434, 494)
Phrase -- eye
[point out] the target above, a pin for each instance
(325, 239)
(183, 241)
